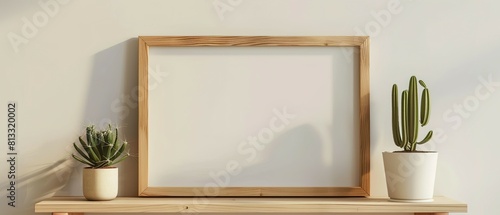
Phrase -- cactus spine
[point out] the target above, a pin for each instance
(405, 133)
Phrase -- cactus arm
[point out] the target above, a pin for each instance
(115, 144)
(82, 153)
(89, 134)
(115, 147)
(89, 150)
(102, 164)
(426, 138)
(113, 151)
(425, 103)
(422, 83)
(109, 149)
(396, 134)
(120, 159)
(120, 151)
(86, 147)
(413, 147)
(110, 139)
(412, 111)
(101, 142)
(109, 131)
(110, 136)
(404, 119)
(95, 152)
(103, 148)
(92, 140)
(82, 160)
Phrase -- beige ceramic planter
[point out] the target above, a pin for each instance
(410, 175)
(100, 184)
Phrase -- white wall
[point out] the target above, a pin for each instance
(77, 65)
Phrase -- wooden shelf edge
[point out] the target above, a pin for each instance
(246, 205)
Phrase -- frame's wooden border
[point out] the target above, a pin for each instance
(220, 41)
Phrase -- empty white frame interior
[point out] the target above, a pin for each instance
(253, 117)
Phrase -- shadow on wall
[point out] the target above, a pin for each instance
(113, 98)
(305, 149)
(38, 185)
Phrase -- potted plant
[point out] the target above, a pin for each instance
(410, 173)
(101, 150)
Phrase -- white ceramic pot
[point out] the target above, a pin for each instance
(100, 184)
(410, 176)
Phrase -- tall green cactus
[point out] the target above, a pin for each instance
(102, 148)
(405, 135)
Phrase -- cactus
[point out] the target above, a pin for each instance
(102, 148)
(405, 135)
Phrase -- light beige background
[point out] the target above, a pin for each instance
(76, 64)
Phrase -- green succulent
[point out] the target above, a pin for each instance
(405, 136)
(101, 148)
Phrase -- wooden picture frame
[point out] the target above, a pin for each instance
(361, 42)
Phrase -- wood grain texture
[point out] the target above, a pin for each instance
(364, 113)
(143, 116)
(440, 206)
(362, 42)
(253, 40)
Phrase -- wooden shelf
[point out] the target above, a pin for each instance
(199, 205)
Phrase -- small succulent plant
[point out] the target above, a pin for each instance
(405, 136)
(101, 148)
